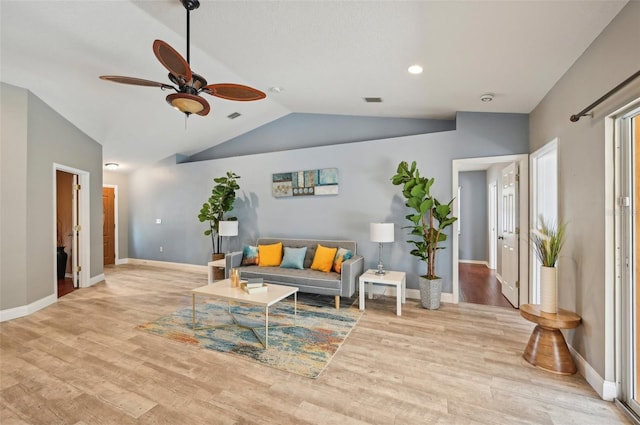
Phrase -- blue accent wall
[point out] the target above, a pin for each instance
(298, 131)
(174, 192)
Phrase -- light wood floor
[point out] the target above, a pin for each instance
(81, 361)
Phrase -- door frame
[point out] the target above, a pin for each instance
(476, 164)
(535, 159)
(115, 219)
(84, 220)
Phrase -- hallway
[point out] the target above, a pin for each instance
(479, 285)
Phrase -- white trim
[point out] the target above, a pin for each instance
(120, 261)
(115, 218)
(486, 263)
(96, 279)
(414, 294)
(179, 266)
(25, 310)
(534, 161)
(607, 390)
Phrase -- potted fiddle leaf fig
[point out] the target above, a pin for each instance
(429, 218)
(223, 195)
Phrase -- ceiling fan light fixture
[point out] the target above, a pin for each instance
(188, 103)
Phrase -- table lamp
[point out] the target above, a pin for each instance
(381, 233)
(228, 228)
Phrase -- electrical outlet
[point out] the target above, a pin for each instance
(158, 221)
(161, 249)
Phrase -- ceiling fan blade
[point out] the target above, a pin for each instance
(173, 61)
(135, 81)
(231, 91)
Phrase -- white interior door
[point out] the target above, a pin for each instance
(509, 237)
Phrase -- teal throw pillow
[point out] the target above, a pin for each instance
(293, 257)
(250, 255)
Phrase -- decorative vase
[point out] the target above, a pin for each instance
(548, 289)
(61, 262)
(430, 290)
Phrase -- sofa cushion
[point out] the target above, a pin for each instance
(249, 255)
(342, 255)
(323, 259)
(270, 255)
(293, 257)
(294, 277)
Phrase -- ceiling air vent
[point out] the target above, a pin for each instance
(373, 99)
(234, 115)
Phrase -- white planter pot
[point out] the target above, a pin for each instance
(430, 292)
(548, 289)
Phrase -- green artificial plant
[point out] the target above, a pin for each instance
(223, 195)
(430, 217)
(547, 242)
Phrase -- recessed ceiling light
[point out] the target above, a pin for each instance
(415, 69)
(111, 166)
(487, 97)
(276, 89)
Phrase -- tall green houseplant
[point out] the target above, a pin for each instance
(223, 195)
(428, 220)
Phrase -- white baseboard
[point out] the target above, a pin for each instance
(482, 262)
(25, 310)
(445, 297)
(120, 261)
(95, 279)
(607, 390)
(179, 266)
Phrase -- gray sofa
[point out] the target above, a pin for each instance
(312, 281)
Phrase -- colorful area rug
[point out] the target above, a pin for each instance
(304, 347)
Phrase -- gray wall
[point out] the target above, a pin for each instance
(175, 192)
(39, 137)
(121, 180)
(297, 130)
(582, 165)
(473, 216)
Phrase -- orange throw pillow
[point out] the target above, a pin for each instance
(323, 258)
(270, 255)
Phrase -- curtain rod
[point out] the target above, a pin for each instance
(576, 117)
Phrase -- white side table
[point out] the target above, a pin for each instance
(397, 279)
(218, 264)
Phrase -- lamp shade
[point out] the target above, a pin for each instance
(381, 232)
(228, 228)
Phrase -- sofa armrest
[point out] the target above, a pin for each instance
(232, 260)
(351, 270)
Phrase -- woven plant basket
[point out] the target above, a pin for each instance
(430, 290)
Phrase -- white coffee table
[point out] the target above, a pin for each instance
(393, 278)
(223, 290)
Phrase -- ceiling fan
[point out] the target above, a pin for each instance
(189, 84)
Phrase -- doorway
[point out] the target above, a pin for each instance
(66, 215)
(109, 230)
(75, 234)
(494, 167)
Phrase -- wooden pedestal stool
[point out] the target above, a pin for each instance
(547, 348)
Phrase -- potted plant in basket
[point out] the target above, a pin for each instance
(223, 195)
(428, 220)
(547, 242)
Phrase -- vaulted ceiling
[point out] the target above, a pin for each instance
(325, 56)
